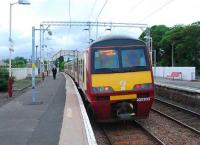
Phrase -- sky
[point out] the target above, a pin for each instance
(24, 17)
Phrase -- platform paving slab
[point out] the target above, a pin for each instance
(25, 124)
(188, 86)
(73, 129)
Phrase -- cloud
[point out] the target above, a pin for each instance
(4, 53)
(64, 40)
(24, 17)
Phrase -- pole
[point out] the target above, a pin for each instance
(40, 50)
(173, 54)
(97, 31)
(150, 44)
(89, 31)
(151, 49)
(10, 77)
(36, 56)
(11, 46)
(154, 62)
(43, 51)
(33, 66)
(10, 49)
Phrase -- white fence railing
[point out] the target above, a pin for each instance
(188, 73)
(22, 73)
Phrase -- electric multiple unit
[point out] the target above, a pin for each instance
(115, 75)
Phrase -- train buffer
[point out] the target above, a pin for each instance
(175, 75)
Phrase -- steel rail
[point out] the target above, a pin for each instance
(151, 134)
(177, 121)
(143, 128)
(106, 135)
(179, 107)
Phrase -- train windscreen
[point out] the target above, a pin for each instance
(106, 59)
(119, 60)
(133, 58)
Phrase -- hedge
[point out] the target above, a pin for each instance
(4, 79)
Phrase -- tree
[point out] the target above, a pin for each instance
(185, 41)
(61, 63)
(171, 38)
(157, 33)
(189, 50)
(18, 62)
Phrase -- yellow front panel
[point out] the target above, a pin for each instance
(121, 81)
(123, 97)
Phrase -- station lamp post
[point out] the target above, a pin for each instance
(21, 2)
(34, 63)
(42, 31)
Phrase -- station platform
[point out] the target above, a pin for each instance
(56, 119)
(189, 86)
(179, 92)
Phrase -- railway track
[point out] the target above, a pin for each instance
(176, 113)
(129, 133)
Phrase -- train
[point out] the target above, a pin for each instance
(115, 75)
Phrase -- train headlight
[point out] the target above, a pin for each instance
(103, 89)
(145, 86)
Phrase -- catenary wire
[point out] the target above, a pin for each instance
(134, 7)
(156, 10)
(92, 10)
(102, 9)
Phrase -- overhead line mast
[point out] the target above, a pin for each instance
(100, 24)
(95, 24)
(69, 11)
(98, 17)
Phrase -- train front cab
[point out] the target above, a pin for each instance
(112, 92)
(107, 106)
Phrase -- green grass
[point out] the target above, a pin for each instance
(20, 84)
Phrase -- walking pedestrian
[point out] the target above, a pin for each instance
(54, 71)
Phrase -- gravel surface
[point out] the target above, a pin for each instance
(5, 99)
(122, 133)
(169, 131)
(18, 90)
(99, 135)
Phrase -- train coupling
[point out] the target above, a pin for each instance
(125, 110)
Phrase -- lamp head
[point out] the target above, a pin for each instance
(49, 32)
(23, 2)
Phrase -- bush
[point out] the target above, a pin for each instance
(4, 79)
(3, 85)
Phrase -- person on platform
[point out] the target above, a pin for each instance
(54, 71)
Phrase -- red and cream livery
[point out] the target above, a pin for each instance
(115, 74)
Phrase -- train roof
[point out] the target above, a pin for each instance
(118, 40)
